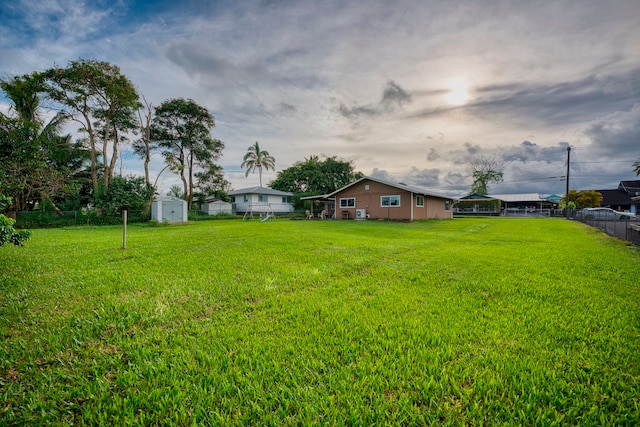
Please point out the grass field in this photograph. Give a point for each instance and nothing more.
(477, 321)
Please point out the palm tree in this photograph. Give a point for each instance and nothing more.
(257, 159)
(636, 167)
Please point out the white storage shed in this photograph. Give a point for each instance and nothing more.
(169, 209)
(214, 206)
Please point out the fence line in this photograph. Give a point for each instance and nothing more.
(49, 219)
(624, 229)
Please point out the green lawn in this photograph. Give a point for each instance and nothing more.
(477, 321)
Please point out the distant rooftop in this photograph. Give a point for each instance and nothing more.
(259, 190)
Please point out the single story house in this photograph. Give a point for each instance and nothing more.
(375, 198)
(215, 206)
(261, 200)
(169, 209)
(623, 198)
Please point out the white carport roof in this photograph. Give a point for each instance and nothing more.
(526, 197)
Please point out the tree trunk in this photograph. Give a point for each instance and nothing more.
(184, 179)
(92, 150)
(114, 156)
(190, 194)
(105, 157)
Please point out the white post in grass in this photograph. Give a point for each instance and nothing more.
(124, 229)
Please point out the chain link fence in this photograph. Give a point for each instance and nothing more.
(611, 222)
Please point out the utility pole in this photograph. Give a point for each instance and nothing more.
(566, 196)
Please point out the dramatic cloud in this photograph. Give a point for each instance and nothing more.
(393, 98)
(373, 82)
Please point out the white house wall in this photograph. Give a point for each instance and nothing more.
(217, 208)
(273, 203)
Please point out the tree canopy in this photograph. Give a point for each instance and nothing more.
(37, 162)
(484, 170)
(181, 129)
(103, 101)
(314, 176)
(584, 198)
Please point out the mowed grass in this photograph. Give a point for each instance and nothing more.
(478, 321)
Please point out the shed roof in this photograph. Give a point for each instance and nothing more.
(169, 198)
(212, 199)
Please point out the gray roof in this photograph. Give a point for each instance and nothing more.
(401, 186)
(212, 199)
(526, 197)
(259, 190)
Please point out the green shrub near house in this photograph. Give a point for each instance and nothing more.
(470, 321)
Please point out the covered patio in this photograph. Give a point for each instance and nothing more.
(320, 207)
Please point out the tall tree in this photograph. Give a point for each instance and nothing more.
(636, 167)
(182, 131)
(36, 160)
(143, 145)
(484, 170)
(255, 158)
(96, 91)
(314, 176)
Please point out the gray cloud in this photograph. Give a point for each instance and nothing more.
(562, 103)
(529, 151)
(424, 178)
(393, 99)
(615, 134)
(381, 174)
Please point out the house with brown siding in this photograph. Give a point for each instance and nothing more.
(378, 199)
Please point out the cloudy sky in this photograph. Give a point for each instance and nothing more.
(410, 91)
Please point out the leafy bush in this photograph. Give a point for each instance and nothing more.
(131, 193)
(8, 234)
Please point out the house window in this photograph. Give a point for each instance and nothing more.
(387, 201)
(447, 205)
(233, 199)
(420, 201)
(263, 198)
(349, 202)
(286, 199)
(246, 198)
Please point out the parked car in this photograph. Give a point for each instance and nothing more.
(607, 214)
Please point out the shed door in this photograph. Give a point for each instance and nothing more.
(172, 211)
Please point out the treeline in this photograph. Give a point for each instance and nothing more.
(42, 168)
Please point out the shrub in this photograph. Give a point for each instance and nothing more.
(8, 234)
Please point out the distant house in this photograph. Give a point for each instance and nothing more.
(622, 198)
(478, 204)
(261, 200)
(169, 209)
(531, 201)
(508, 204)
(215, 206)
(374, 198)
